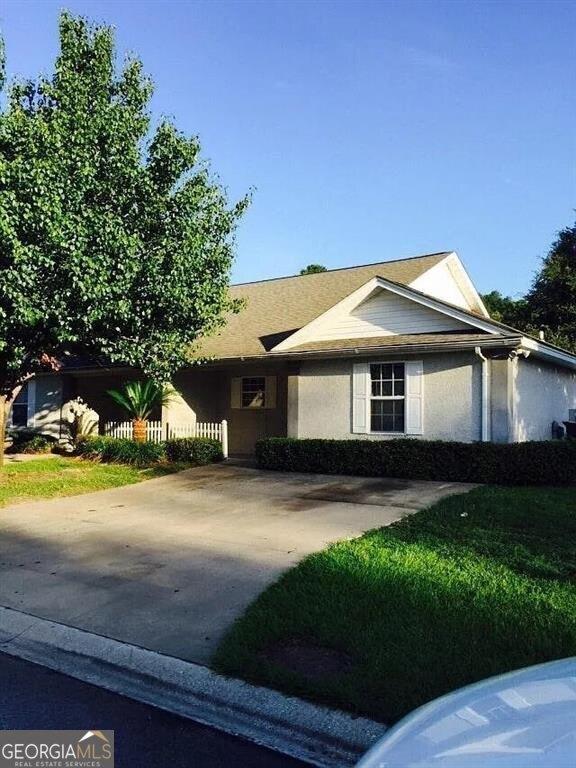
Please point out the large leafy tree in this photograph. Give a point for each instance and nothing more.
(115, 241)
(551, 300)
(550, 304)
(504, 308)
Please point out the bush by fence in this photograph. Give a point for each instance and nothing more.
(26, 441)
(531, 463)
(121, 450)
(194, 450)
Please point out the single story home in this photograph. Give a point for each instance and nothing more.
(397, 348)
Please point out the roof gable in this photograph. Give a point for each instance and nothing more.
(275, 309)
(449, 281)
(342, 319)
(384, 313)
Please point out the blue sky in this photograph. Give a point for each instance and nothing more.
(369, 130)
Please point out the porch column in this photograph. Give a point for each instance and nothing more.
(292, 404)
(177, 412)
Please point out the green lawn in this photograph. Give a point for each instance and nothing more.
(477, 585)
(64, 476)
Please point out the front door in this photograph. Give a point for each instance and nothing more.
(257, 410)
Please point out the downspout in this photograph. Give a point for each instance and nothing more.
(485, 396)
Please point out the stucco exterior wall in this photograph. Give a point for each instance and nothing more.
(207, 393)
(501, 400)
(451, 398)
(92, 388)
(543, 393)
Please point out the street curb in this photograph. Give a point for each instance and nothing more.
(321, 736)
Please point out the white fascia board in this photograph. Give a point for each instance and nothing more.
(467, 283)
(461, 278)
(307, 333)
(559, 356)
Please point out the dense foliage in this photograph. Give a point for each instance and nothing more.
(531, 463)
(552, 298)
(121, 450)
(140, 398)
(115, 243)
(194, 450)
(313, 269)
(26, 441)
(505, 309)
(550, 304)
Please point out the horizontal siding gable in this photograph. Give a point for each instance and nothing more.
(388, 314)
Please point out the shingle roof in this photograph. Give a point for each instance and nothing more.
(394, 340)
(278, 307)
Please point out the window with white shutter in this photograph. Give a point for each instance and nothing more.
(387, 398)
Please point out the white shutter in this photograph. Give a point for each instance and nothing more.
(414, 397)
(360, 398)
(236, 393)
(270, 393)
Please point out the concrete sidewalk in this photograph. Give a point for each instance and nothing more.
(170, 563)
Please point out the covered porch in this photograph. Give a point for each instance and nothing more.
(252, 399)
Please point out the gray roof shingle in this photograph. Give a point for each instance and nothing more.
(276, 308)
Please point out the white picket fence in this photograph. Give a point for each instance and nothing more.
(156, 431)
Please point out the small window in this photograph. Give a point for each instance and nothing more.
(254, 392)
(20, 408)
(387, 381)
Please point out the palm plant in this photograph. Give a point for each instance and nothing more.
(138, 399)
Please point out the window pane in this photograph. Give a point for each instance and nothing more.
(398, 416)
(399, 386)
(22, 396)
(376, 388)
(387, 416)
(399, 371)
(19, 414)
(387, 388)
(20, 408)
(253, 392)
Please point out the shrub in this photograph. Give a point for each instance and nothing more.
(121, 450)
(194, 450)
(26, 441)
(531, 463)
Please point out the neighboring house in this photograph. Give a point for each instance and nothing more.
(399, 348)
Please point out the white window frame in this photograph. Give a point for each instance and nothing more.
(372, 397)
(30, 406)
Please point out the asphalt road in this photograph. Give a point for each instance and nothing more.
(33, 697)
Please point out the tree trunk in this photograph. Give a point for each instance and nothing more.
(2, 427)
(139, 430)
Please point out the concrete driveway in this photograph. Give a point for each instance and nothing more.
(168, 564)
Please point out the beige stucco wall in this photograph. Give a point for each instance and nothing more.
(92, 388)
(543, 393)
(451, 398)
(206, 394)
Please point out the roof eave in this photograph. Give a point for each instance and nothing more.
(549, 352)
(491, 342)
